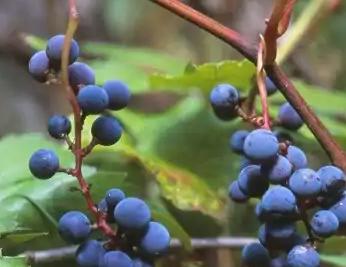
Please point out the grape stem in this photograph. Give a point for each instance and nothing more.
(280, 79)
(76, 146)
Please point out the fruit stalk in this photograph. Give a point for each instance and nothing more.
(76, 147)
(233, 38)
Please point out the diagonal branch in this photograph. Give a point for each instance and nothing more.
(234, 39)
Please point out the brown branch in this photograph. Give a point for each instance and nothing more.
(333, 149)
(78, 123)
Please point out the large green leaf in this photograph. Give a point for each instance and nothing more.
(336, 260)
(206, 76)
(13, 262)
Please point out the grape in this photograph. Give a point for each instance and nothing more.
(237, 139)
(278, 201)
(270, 86)
(89, 253)
(103, 206)
(118, 93)
(324, 223)
(55, 47)
(114, 196)
(140, 263)
(251, 182)
(279, 171)
(305, 183)
(277, 235)
(297, 157)
(255, 255)
(44, 163)
(236, 194)
(74, 227)
(39, 66)
(261, 146)
(132, 213)
(339, 210)
(59, 126)
(115, 258)
(224, 98)
(92, 99)
(106, 130)
(106, 209)
(303, 256)
(259, 211)
(80, 74)
(289, 118)
(333, 180)
(156, 239)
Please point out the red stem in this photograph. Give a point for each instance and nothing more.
(78, 124)
(333, 149)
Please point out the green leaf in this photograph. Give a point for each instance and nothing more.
(125, 63)
(13, 261)
(31, 206)
(206, 76)
(334, 259)
(160, 213)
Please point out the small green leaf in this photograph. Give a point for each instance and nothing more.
(206, 76)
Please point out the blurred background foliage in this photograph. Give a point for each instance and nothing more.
(174, 152)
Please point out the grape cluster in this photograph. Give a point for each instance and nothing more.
(289, 192)
(137, 240)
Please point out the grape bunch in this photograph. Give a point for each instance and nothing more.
(289, 193)
(133, 239)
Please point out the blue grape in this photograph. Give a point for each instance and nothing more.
(103, 206)
(303, 256)
(115, 258)
(259, 211)
(270, 86)
(289, 118)
(39, 66)
(237, 139)
(324, 223)
(140, 263)
(236, 194)
(114, 196)
(255, 255)
(89, 253)
(261, 146)
(44, 163)
(107, 130)
(132, 213)
(339, 210)
(118, 93)
(297, 157)
(278, 201)
(279, 171)
(59, 126)
(80, 74)
(333, 180)
(305, 183)
(92, 99)
(156, 239)
(55, 47)
(224, 98)
(277, 235)
(74, 227)
(106, 209)
(251, 181)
